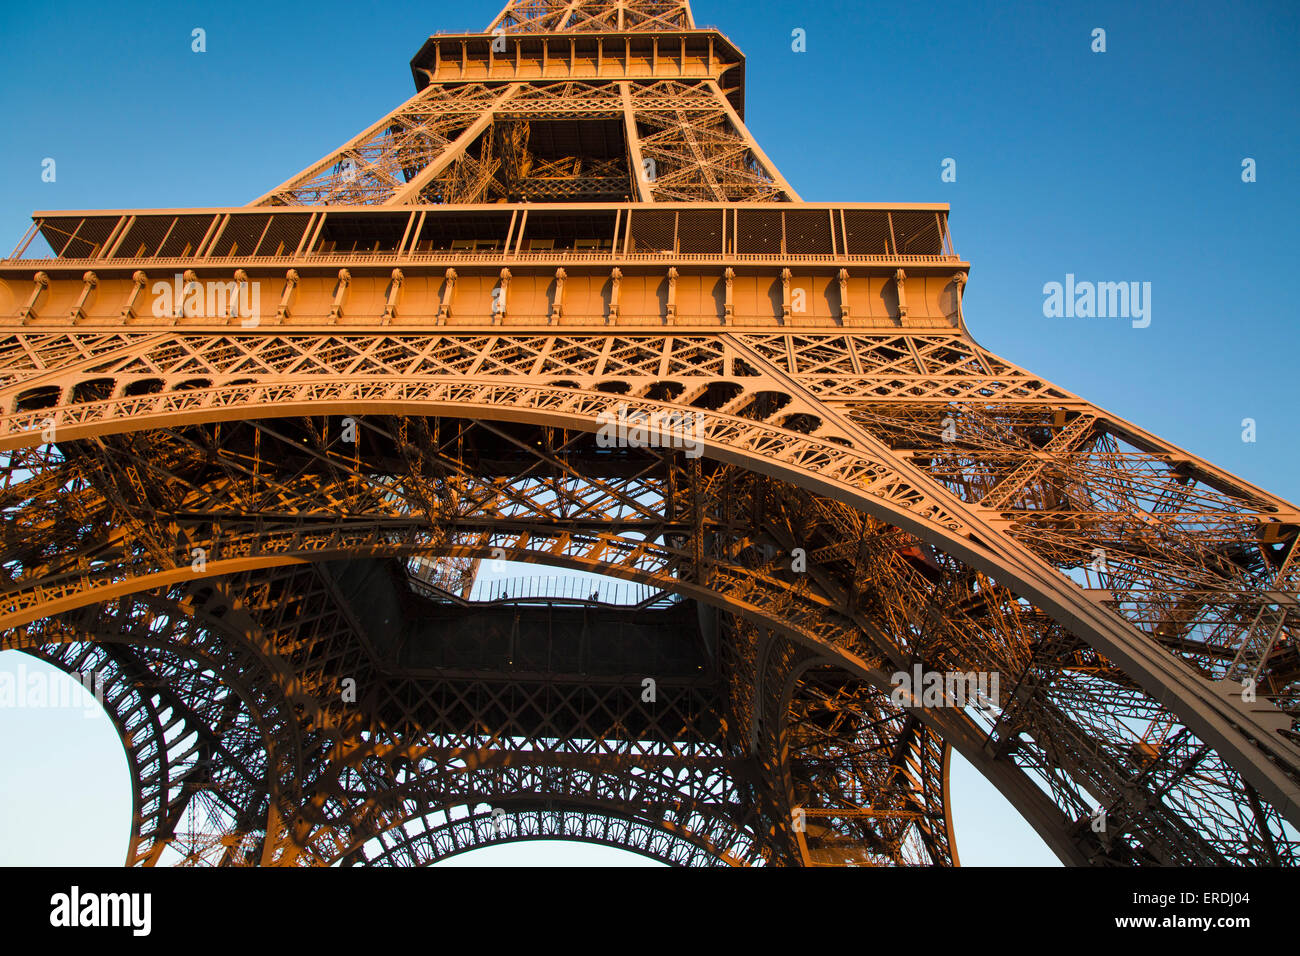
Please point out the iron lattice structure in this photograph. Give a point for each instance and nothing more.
(255, 458)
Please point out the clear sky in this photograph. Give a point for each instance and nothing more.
(1117, 166)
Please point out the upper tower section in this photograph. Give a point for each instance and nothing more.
(583, 101)
(593, 16)
(585, 162)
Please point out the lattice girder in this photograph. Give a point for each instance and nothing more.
(876, 494)
(636, 555)
(556, 16)
(463, 138)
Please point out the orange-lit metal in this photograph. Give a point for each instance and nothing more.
(255, 459)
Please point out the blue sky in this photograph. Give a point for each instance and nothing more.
(1115, 166)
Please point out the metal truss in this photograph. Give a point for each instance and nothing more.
(409, 488)
(469, 143)
(555, 16)
(426, 840)
(267, 538)
(206, 733)
(372, 166)
(475, 134)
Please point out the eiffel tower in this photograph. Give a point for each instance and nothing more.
(559, 309)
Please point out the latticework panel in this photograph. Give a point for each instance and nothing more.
(592, 16)
(694, 148)
(380, 161)
(477, 143)
(1079, 733)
